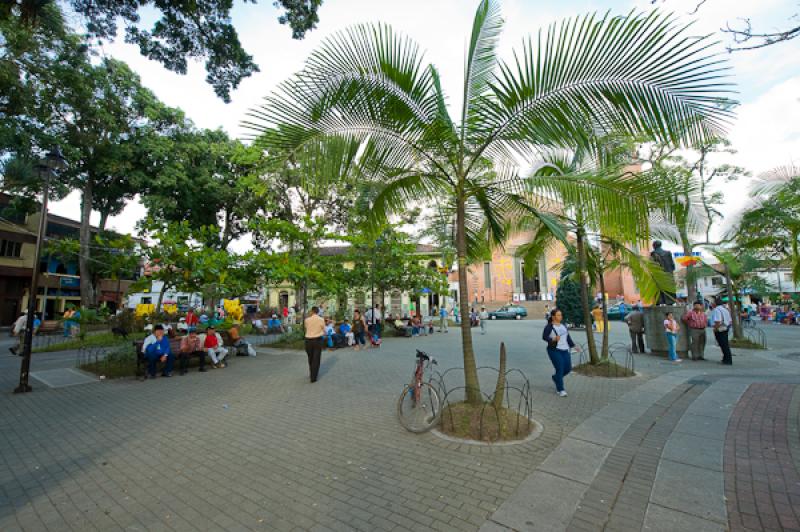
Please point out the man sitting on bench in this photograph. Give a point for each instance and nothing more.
(155, 348)
(191, 346)
(212, 343)
(274, 325)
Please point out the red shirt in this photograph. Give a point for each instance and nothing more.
(191, 318)
(695, 320)
(211, 341)
(285, 312)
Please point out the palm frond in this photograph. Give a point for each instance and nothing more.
(481, 57)
(640, 74)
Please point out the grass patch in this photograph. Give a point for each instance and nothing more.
(103, 339)
(606, 368)
(745, 343)
(114, 365)
(294, 340)
(463, 420)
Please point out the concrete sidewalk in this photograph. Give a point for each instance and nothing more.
(674, 455)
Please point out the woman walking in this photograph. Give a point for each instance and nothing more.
(559, 343)
(671, 329)
(359, 328)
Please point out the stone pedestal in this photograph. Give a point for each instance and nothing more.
(654, 329)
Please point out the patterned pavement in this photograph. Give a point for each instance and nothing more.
(256, 447)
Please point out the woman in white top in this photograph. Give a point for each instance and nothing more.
(671, 329)
(559, 343)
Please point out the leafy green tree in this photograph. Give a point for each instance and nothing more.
(569, 301)
(771, 228)
(185, 31)
(206, 179)
(692, 210)
(370, 84)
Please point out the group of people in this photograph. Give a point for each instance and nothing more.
(696, 322)
(559, 342)
(156, 347)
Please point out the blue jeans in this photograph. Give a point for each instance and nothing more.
(562, 363)
(359, 337)
(672, 341)
(152, 363)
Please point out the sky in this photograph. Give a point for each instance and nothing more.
(765, 133)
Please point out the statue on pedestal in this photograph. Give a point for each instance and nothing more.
(664, 259)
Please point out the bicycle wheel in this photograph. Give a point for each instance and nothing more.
(422, 415)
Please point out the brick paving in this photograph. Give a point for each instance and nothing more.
(618, 497)
(762, 480)
(256, 447)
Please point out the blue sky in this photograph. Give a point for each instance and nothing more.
(766, 132)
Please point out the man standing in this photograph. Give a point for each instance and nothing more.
(18, 330)
(721, 318)
(156, 348)
(315, 332)
(443, 319)
(483, 317)
(374, 318)
(635, 321)
(696, 322)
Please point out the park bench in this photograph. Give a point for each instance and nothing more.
(174, 345)
(48, 327)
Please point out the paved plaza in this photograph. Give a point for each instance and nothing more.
(695, 446)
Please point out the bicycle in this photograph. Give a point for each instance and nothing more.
(419, 406)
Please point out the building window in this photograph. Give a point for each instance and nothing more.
(147, 301)
(787, 276)
(716, 281)
(487, 274)
(10, 249)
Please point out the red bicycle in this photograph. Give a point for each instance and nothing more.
(419, 406)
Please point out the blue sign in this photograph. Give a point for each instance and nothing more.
(682, 254)
(70, 282)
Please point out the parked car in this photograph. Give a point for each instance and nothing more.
(617, 313)
(509, 312)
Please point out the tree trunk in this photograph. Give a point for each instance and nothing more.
(161, 297)
(587, 315)
(473, 390)
(604, 306)
(103, 221)
(737, 325)
(87, 290)
(500, 387)
(691, 286)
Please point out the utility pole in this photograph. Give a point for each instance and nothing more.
(53, 161)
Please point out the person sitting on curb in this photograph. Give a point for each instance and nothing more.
(242, 348)
(156, 348)
(212, 343)
(191, 346)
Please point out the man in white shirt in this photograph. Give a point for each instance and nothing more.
(374, 317)
(721, 318)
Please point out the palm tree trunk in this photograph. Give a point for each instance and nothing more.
(737, 326)
(473, 390)
(587, 316)
(604, 306)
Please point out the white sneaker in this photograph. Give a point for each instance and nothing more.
(562, 393)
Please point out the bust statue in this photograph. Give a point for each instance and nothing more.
(664, 259)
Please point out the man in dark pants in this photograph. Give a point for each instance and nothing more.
(315, 333)
(635, 321)
(721, 318)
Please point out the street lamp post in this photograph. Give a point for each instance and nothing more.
(53, 161)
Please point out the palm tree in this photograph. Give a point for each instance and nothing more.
(599, 210)
(640, 73)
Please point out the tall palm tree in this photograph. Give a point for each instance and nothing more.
(600, 212)
(640, 73)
